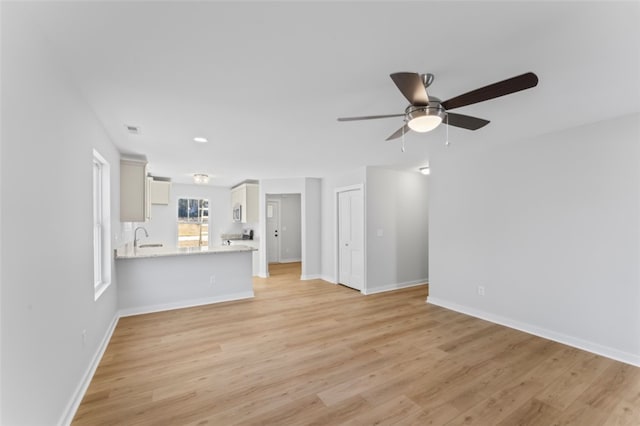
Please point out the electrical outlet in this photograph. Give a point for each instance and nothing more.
(480, 290)
(212, 280)
(84, 337)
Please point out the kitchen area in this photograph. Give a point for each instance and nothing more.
(186, 244)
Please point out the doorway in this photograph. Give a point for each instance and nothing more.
(283, 228)
(273, 228)
(350, 217)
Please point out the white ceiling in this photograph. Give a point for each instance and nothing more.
(264, 82)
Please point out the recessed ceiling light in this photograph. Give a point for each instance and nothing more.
(200, 139)
(425, 170)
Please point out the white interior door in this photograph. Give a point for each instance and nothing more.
(273, 231)
(351, 239)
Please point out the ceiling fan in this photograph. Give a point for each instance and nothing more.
(426, 112)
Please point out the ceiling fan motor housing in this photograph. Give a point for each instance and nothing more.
(425, 118)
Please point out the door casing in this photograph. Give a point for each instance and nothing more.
(358, 187)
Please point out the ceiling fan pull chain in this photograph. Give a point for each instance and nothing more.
(402, 139)
(446, 142)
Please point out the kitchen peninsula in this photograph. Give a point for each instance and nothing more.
(161, 278)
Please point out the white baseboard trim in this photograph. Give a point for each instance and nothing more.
(292, 260)
(397, 286)
(185, 304)
(329, 279)
(310, 277)
(263, 275)
(81, 389)
(627, 358)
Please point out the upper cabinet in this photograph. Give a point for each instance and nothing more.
(159, 191)
(244, 203)
(134, 190)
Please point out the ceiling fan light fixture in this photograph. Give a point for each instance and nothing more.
(200, 178)
(425, 119)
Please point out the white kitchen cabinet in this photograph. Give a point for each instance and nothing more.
(134, 189)
(246, 196)
(159, 192)
(238, 195)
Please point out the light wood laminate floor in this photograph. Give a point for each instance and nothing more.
(310, 352)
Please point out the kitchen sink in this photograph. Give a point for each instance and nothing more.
(150, 245)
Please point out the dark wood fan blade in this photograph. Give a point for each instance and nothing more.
(465, 121)
(495, 90)
(369, 117)
(402, 130)
(412, 87)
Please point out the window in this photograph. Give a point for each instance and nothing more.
(193, 222)
(101, 225)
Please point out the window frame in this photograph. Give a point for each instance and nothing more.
(101, 178)
(201, 219)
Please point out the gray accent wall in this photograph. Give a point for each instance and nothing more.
(396, 226)
(397, 229)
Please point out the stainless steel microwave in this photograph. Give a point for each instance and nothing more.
(237, 213)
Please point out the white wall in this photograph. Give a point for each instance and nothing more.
(163, 225)
(311, 228)
(396, 206)
(551, 228)
(48, 134)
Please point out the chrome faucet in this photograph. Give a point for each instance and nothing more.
(135, 236)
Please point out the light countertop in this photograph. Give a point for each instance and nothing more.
(128, 251)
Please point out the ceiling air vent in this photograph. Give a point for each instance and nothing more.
(134, 130)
